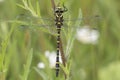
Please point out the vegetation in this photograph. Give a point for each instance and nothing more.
(28, 40)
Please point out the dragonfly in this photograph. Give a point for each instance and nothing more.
(59, 21)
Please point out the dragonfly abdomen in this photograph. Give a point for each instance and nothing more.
(58, 23)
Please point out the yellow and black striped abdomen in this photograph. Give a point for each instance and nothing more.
(58, 23)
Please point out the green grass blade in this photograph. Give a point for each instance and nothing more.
(27, 66)
(4, 44)
(38, 8)
(21, 6)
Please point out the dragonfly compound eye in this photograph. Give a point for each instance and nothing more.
(58, 10)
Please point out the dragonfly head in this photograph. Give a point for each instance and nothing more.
(59, 11)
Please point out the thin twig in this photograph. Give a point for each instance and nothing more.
(53, 4)
(63, 57)
(62, 53)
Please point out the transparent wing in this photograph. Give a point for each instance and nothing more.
(31, 23)
(23, 17)
(48, 24)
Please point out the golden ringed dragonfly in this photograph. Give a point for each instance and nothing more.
(46, 25)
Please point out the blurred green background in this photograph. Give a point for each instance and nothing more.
(22, 49)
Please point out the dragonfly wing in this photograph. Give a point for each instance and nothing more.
(38, 27)
(48, 24)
